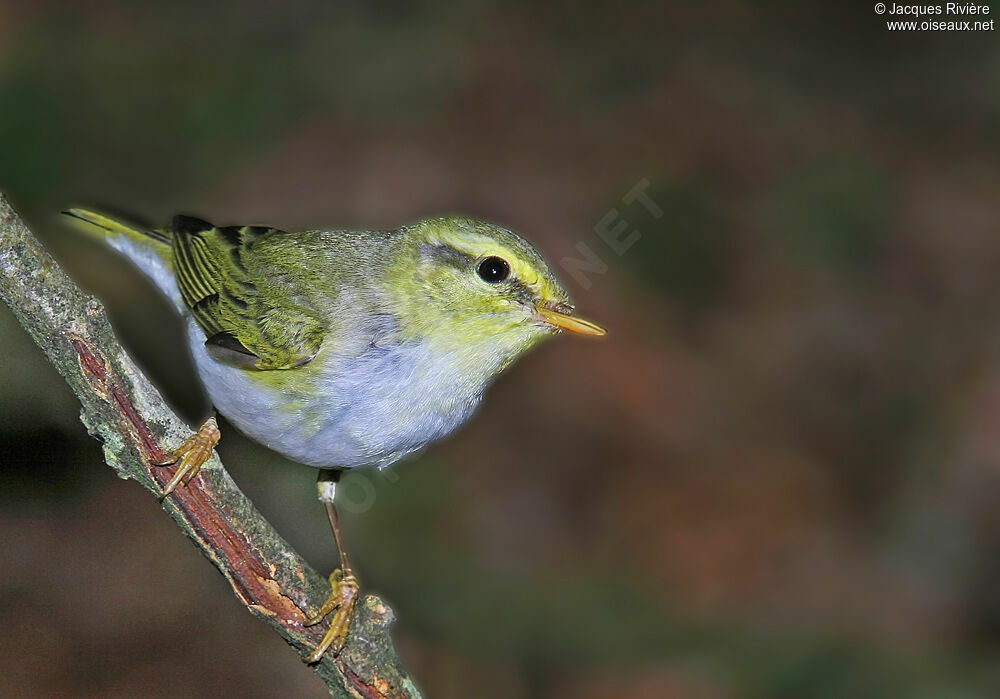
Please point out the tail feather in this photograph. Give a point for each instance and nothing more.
(115, 227)
(149, 250)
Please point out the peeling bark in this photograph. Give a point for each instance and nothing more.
(123, 410)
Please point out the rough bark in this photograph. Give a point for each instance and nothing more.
(123, 410)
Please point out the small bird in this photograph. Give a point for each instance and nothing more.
(341, 349)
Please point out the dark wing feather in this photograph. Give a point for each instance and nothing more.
(248, 322)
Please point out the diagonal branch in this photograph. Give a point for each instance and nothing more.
(124, 411)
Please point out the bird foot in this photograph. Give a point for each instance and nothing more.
(343, 597)
(189, 456)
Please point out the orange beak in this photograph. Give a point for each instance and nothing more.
(565, 321)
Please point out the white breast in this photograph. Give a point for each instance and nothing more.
(370, 410)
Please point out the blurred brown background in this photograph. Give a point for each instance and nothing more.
(778, 476)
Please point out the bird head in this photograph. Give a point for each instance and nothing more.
(478, 288)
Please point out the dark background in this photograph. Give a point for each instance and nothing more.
(779, 474)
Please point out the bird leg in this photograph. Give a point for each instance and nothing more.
(190, 455)
(344, 586)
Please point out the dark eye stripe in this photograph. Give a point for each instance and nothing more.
(448, 254)
(521, 292)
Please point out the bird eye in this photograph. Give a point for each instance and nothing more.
(493, 270)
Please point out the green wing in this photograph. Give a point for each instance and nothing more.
(250, 322)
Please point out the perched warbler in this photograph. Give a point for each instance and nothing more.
(340, 349)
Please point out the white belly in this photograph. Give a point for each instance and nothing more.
(366, 411)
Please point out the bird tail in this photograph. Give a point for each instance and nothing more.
(108, 227)
(149, 250)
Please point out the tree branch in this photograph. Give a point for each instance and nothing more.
(124, 411)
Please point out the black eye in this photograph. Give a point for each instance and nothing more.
(493, 270)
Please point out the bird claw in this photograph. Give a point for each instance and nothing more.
(343, 597)
(189, 456)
